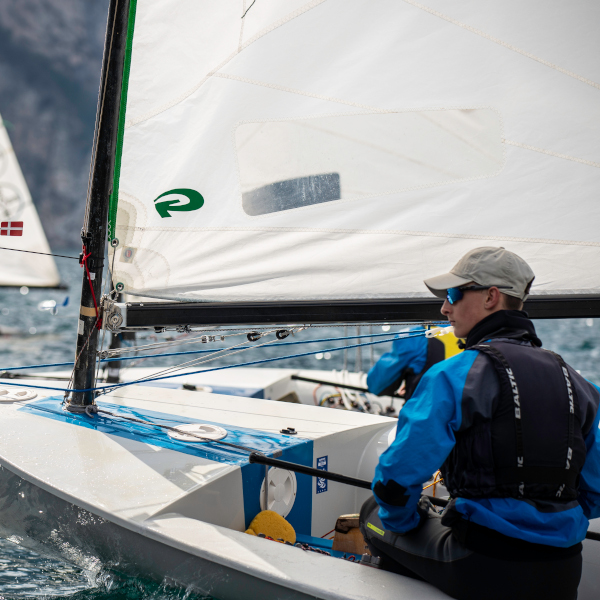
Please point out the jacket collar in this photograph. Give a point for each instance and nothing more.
(514, 324)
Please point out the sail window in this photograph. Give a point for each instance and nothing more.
(292, 193)
(291, 164)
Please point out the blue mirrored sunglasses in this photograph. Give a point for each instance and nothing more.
(453, 295)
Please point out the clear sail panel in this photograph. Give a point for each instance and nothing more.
(290, 164)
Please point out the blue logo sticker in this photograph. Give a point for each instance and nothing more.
(322, 466)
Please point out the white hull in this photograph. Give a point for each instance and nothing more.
(142, 508)
(166, 514)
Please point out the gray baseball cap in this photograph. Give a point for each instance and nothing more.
(487, 266)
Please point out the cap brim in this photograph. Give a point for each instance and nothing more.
(438, 285)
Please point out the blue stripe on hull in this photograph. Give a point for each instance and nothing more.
(292, 448)
(264, 442)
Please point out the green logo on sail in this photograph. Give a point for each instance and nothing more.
(167, 206)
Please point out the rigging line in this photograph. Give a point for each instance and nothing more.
(125, 358)
(253, 362)
(198, 361)
(63, 364)
(92, 329)
(165, 354)
(334, 325)
(109, 277)
(107, 388)
(176, 368)
(42, 253)
(115, 351)
(87, 341)
(176, 342)
(84, 264)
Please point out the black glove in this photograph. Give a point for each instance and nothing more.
(424, 512)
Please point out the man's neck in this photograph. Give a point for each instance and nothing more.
(503, 323)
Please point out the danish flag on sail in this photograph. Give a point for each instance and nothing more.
(11, 228)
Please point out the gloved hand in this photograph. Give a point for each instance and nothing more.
(425, 511)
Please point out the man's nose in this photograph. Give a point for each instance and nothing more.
(445, 310)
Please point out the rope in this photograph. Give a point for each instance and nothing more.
(199, 361)
(334, 339)
(109, 277)
(176, 342)
(84, 260)
(126, 358)
(107, 388)
(42, 253)
(64, 364)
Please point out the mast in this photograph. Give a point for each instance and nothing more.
(93, 234)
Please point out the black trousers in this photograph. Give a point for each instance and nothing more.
(473, 562)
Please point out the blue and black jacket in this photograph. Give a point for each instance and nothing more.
(535, 477)
(409, 359)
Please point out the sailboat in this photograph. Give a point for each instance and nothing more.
(20, 228)
(270, 164)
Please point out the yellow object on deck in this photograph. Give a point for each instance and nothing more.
(273, 525)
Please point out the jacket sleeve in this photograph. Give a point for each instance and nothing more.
(589, 484)
(424, 439)
(405, 353)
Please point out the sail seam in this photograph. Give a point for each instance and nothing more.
(244, 11)
(303, 93)
(583, 161)
(368, 232)
(253, 39)
(500, 42)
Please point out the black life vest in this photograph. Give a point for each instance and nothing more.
(531, 445)
(436, 352)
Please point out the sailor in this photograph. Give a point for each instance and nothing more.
(409, 359)
(515, 432)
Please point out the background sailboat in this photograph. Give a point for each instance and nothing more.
(16, 207)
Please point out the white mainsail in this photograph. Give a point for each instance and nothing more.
(16, 206)
(329, 149)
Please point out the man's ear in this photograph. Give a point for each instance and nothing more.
(493, 298)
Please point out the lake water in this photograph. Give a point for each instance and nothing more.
(40, 337)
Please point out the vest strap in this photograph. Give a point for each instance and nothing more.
(510, 385)
(573, 404)
(542, 475)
